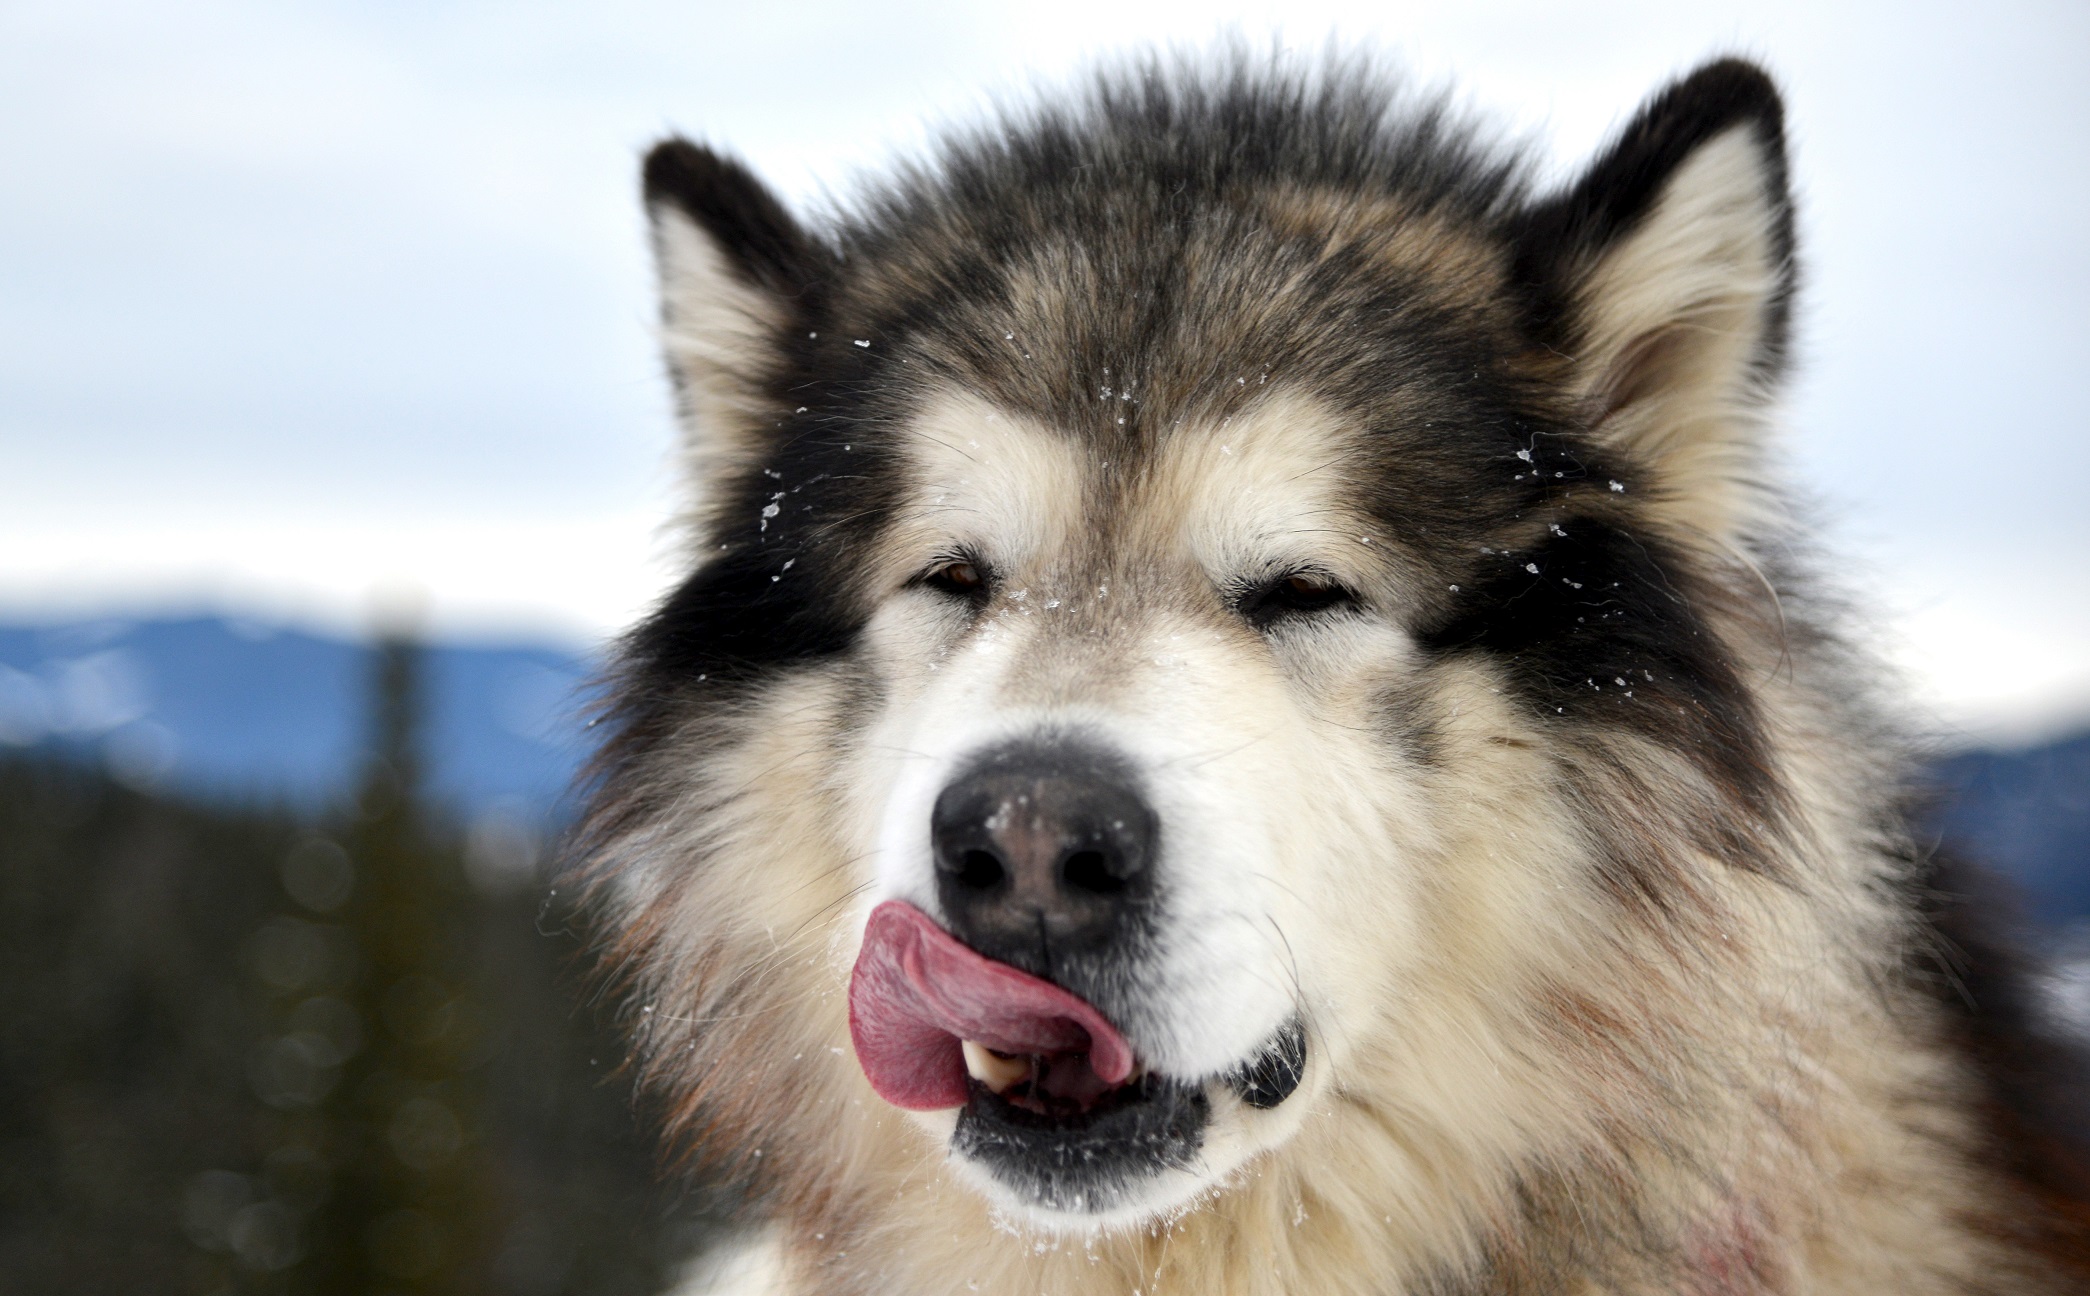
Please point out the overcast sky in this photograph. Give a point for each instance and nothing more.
(299, 301)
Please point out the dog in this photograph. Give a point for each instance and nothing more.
(1246, 714)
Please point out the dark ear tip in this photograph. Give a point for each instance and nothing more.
(750, 226)
(1625, 180)
(1719, 94)
(1558, 234)
(1736, 76)
(680, 172)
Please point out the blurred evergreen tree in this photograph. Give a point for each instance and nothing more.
(247, 1054)
(130, 1140)
(412, 1206)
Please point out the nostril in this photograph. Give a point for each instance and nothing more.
(979, 870)
(1089, 871)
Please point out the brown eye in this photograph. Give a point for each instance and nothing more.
(1294, 594)
(960, 577)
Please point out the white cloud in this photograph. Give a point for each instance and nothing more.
(304, 298)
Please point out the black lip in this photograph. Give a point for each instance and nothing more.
(1275, 1073)
(1085, 1162)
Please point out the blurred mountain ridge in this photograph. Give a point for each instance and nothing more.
(224, 709)
(2026, 812)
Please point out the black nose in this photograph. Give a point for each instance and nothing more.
(1044, 850)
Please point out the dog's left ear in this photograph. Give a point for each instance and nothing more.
(735, 274)
(1665, 275)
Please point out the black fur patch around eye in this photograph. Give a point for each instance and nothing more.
(731, 617)
(782, 585)
(1599, 625)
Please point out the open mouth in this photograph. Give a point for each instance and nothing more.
(1061, 1085)
(1053, 1102)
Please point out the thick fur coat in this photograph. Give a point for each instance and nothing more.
(1411, 539)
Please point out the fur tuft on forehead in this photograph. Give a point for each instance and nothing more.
(1182, 236)
(1169, 244)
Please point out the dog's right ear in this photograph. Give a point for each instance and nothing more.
(735, 269)
(1666, 274)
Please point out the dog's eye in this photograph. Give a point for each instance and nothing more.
(962, 578)
(1298, 593)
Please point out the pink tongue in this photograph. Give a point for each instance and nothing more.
(916, 992)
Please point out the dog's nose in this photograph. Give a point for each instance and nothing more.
(1044, 848)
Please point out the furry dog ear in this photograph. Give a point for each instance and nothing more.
(734, 270)
(1666, 274)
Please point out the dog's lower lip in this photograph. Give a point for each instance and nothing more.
(1083, 1159)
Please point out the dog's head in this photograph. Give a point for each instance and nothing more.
(1202, 610)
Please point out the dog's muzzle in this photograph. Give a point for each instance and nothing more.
(1046, 856)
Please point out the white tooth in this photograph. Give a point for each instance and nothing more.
(991, 1068)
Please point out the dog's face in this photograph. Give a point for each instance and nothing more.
(1159, 639)
(1131, 734)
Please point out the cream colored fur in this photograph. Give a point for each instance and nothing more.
(718, 332)
(1674, 315)
(1442, 920)
(1736, 1086)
